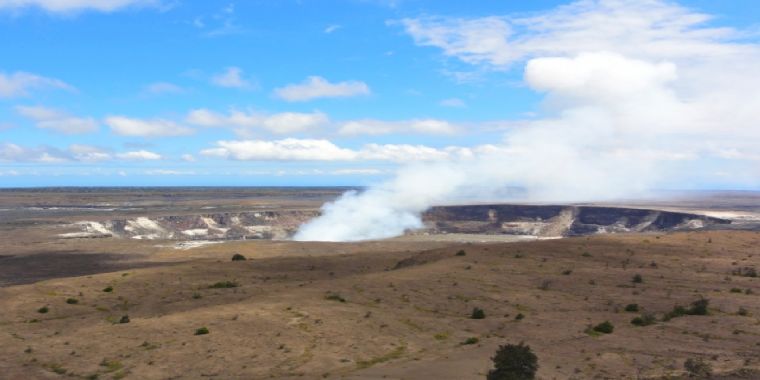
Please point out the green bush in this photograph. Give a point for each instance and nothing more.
(461, 252)
(124, 319)
(643, 320)
(201, 331)
(224, 285)
(332, 296)
(108, 289)
(605, 327)
(698, 368)
(514, 362)
(43, 310)
(698, 307)
(632, 307)
(478, 313)
(72, 301)
(238, 257)
(472, 340)
(736, 290)
(519, 316)
(637, 279)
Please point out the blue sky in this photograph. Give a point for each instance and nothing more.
(132, 92)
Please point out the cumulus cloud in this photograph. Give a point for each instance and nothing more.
(248, 122)
(21, 84)
(232, 77)
(281, 150)
(76, 5)
(292, 149)
(637, 93)
(125, 126)
(315, 87)
(77, 152)
(139, 155)
(56, 120)
(380, 127)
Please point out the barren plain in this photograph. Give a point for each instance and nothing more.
(110, 306)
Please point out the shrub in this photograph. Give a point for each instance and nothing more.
(743, 312)
(108, 289)
(698, 307)
(224, 285)
(514, 362)
(745, 272)
(472, 340)
(698, 368)
(519, 317)
(201, 331)
(632, 307)
(72, 301)
(643, 320)
(478, 313)
(605, 327)
(43, 310)
(124, 319)
(238, 257)
(637, 279)
(197, 296)
(567, 272)
(736, 290)
(334, 297)
(461, 252)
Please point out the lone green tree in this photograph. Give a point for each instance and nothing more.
(514, 362)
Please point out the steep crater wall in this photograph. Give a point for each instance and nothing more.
(554, 221)
(497, 219)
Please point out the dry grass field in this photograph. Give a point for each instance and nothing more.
(393, 309)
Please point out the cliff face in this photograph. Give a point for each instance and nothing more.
(552, 221)
(542, 221)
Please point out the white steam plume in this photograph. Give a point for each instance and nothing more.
(637, 93)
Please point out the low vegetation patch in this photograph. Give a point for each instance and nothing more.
(124, 319)
(477, 313)
(72, 301)
(745, 272)
(644, 320)
(332, 296)
(238, 257)
(603, 328)
(471, 340)
(201, 331)
(108, 289)
(514, 362)
(224, 285)
(637, 279)
(395, 354)
(698, 307)
(632, 307)
(43, 310)
(698, 368)
(461, 252)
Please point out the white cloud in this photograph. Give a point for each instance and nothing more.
(161, 88)
(188, 158)
(281, 150)
(453, 102)
(331, 28)
(324, 150)
(317, 87)
(21, 83)
(232, 77)
(139, 155)
(56, 120)
(249, 122)
(380, 127)
(125, 126)
(88, 153)
(65, 6)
